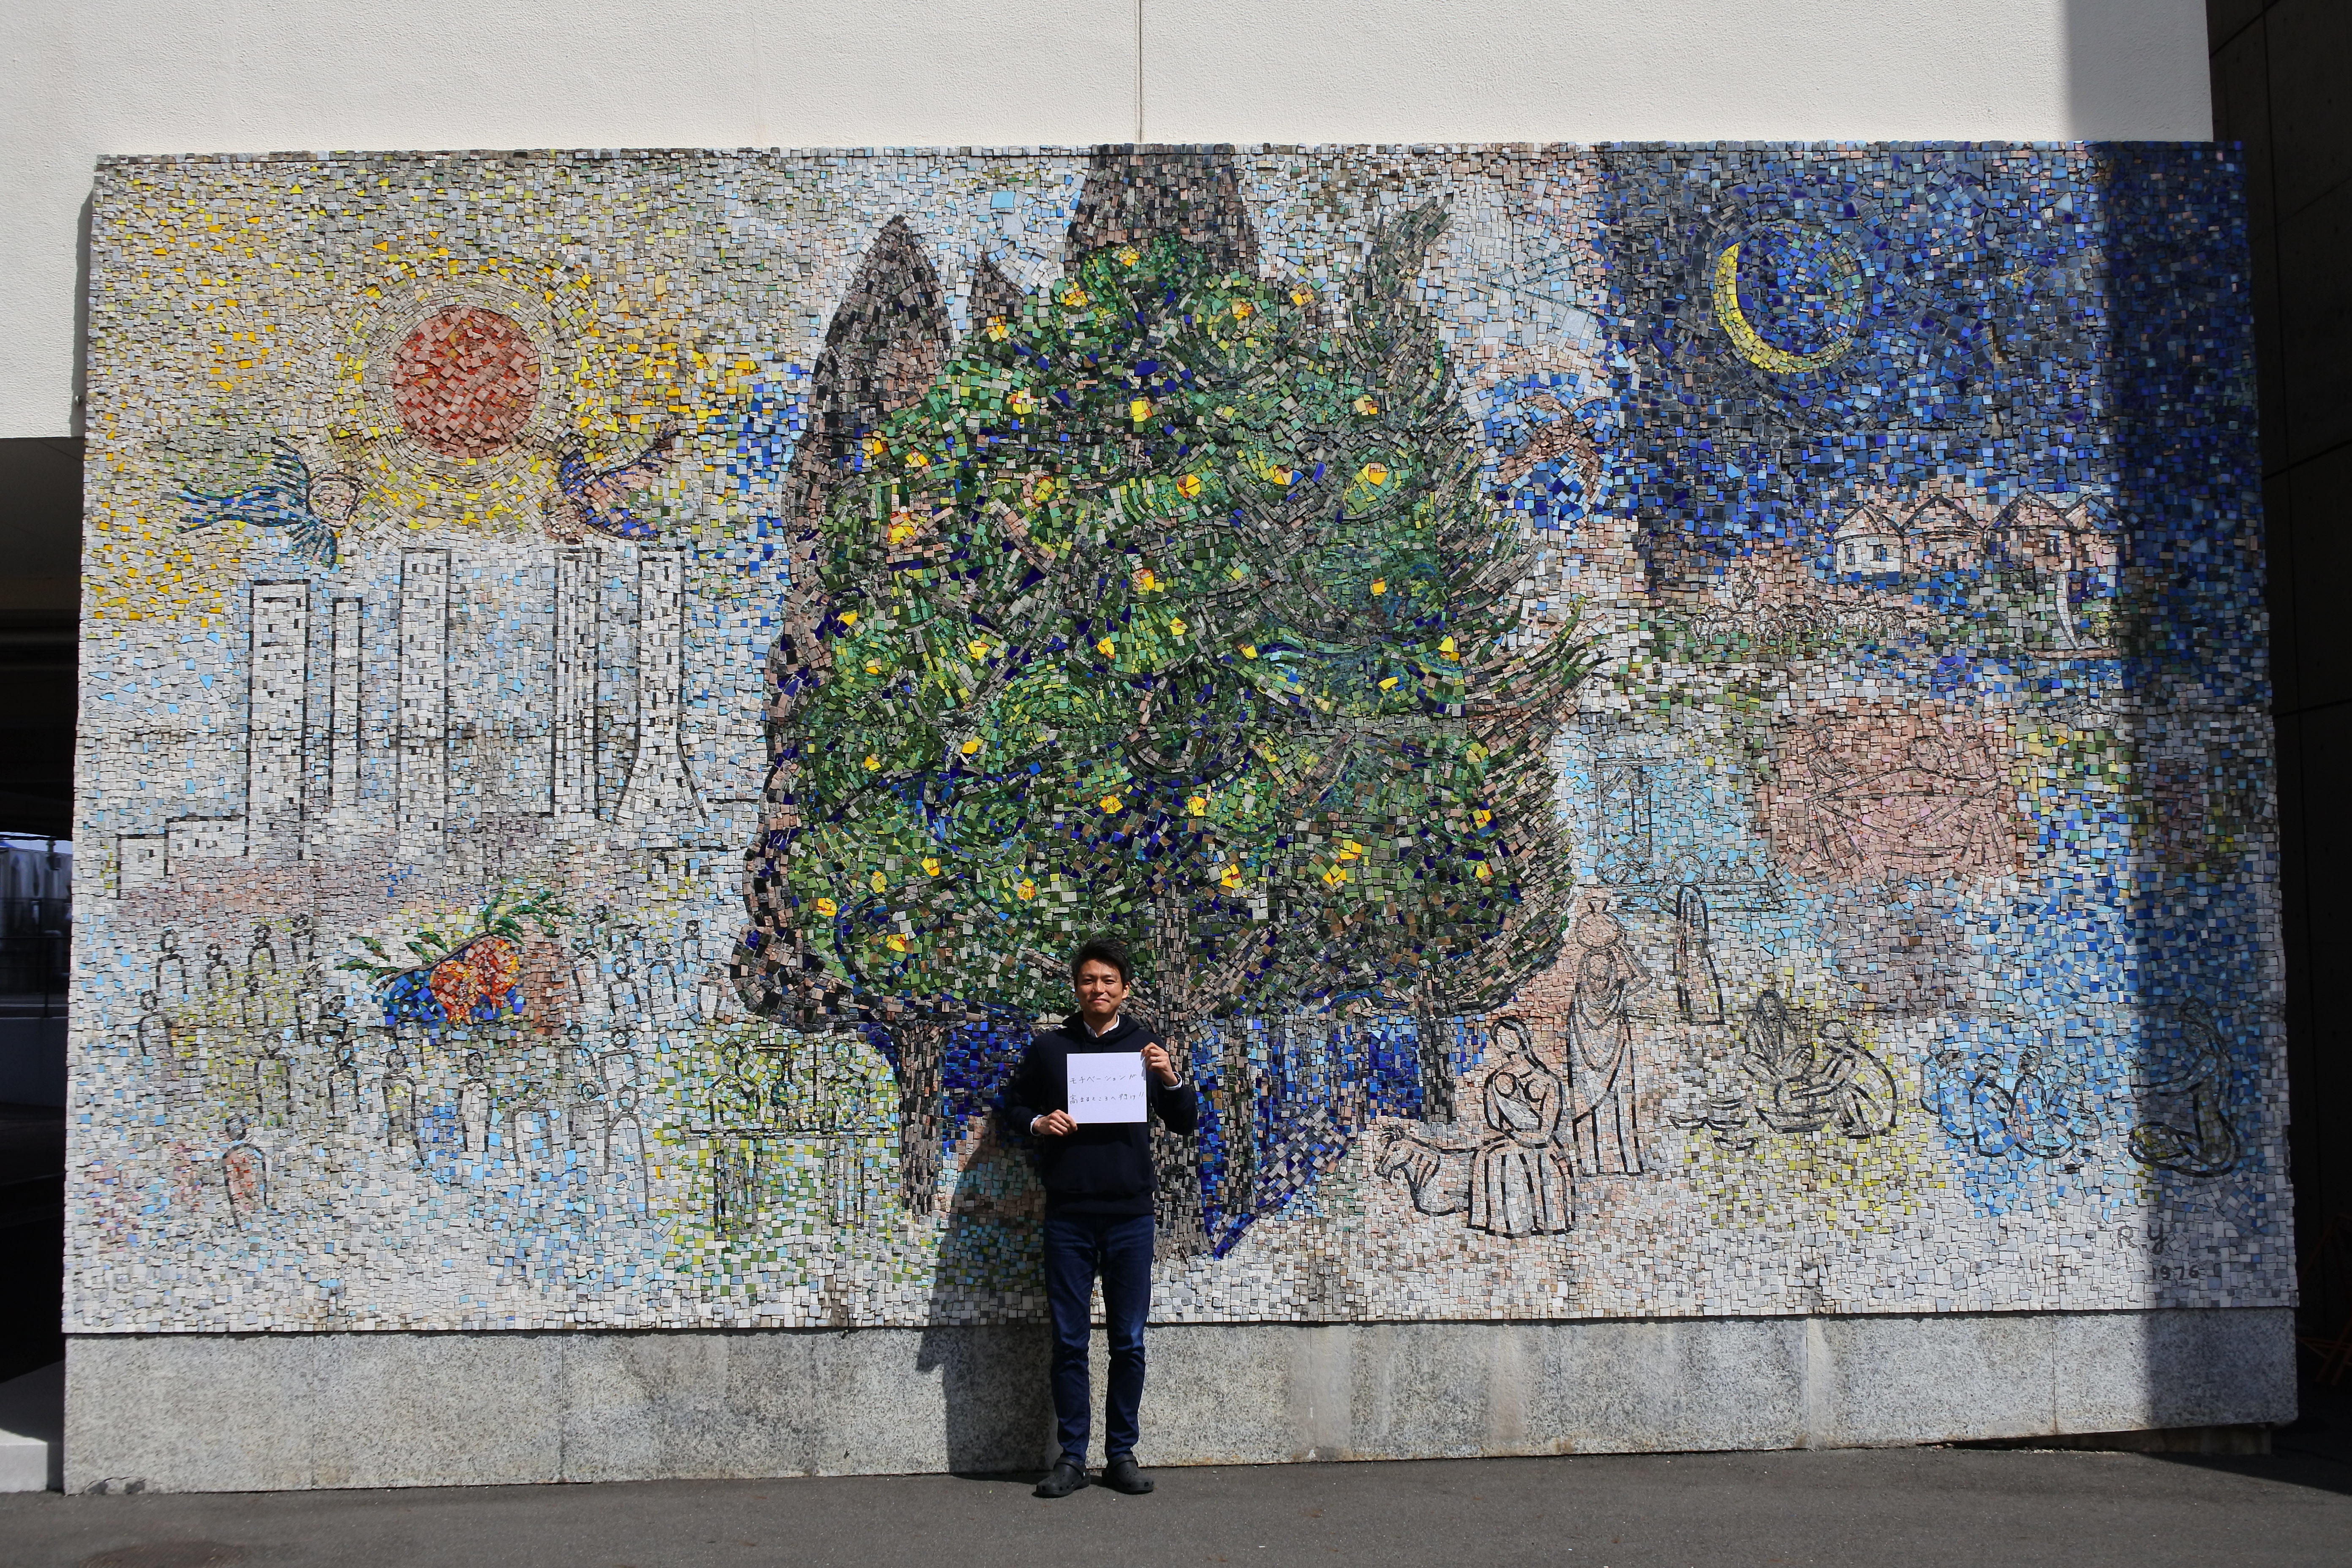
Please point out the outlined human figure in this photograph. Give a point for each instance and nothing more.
(219, 979)
(624, 997)
(661, 979)
(153, 1035)
(301, 941)
(1520, 1184)
(533, 1135)
(2195, 1136)
(1599, 1046)
(738, 1121)
(245, 1175)
(273, 1079)
(474, 1106)
(583, 1108)
(261, 958)
(1698, 990)
(343, 1061)
(622, 1072)
(171, 970)
(399, 1092)
(1997, 1112)
(1801, 1079)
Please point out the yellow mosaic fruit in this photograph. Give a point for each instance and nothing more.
(895, 943)
(917, 460)
(971, 746)
(1044, 488)
(1129, 255)
(877, 881)
(1333, 876)
(1349, 849)
(827, 907)
(1231, 877)
(1074, 298)
(1106, 647)
(1300, 296)
(1244, 310)
(872, 762)
(902, 527)
(997, 329)
(1147, 581)
(1110, 803)
(1445, 647)
(1482, 872)
(977, 649)
(930, 866)
(1482, 816)
(1139, 410)
(1025, 887)
(1022, 402)
(875, 446)
(1279, 474)
(1189, 486)
(1374, 473)
(872, 667)
(1197, 805)
(849, 617)
(1248, 651)
(1368, 404)
(1176, 626)
(1379, 584)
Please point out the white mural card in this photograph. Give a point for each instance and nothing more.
(1106, 1085)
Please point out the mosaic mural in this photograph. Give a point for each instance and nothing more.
(1678, 730)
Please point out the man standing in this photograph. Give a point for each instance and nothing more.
(1098, 1179)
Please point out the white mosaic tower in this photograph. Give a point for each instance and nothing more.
(660, 803)
(423, 797)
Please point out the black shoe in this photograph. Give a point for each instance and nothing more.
(1122, 1476)
(1065, 1478)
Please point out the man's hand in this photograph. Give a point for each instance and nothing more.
(1156, 1063)
(1053, 1124)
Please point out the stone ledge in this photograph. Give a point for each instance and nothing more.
(270, 1412)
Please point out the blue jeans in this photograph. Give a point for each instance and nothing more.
(1118, 1248)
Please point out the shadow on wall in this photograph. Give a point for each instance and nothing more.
(994, 1378)
(2198, 894)
(2136, 64)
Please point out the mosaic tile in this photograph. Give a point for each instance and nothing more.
(1679, 730)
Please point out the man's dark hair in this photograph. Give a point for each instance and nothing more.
(1106, 950)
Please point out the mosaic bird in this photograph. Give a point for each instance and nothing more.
(598, 497)
(288, 498)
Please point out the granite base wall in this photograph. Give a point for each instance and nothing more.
(268, 1412)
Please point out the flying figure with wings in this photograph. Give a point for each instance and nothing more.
(598, 497)
(287, 497)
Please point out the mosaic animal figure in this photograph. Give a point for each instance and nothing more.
(310, 508)
(591, 500)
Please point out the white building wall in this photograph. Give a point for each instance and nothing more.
(91, 77)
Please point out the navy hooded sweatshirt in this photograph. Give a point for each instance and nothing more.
(1102, 1168)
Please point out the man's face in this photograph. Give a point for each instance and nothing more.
(1101, 992)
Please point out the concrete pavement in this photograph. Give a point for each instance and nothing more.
(1913, 1507)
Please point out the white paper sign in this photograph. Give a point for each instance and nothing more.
(1106, 1085)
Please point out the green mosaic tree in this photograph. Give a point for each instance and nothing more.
(1172, 610)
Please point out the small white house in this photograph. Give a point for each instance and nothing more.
(1867, 544)
(1944, 537)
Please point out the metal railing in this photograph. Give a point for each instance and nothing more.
(36, 945)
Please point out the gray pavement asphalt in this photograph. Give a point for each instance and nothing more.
(2014, 1508)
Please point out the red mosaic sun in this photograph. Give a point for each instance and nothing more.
(464, 382)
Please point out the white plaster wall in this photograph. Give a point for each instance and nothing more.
(88, 77)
